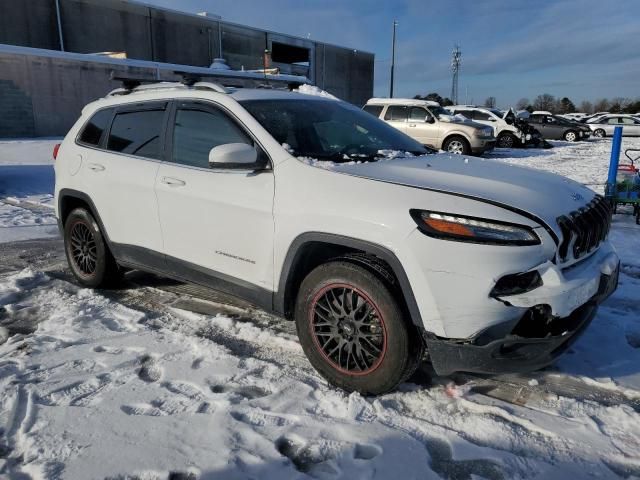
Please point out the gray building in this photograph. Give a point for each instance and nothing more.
(44, 86)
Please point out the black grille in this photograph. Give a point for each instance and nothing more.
(588, 226)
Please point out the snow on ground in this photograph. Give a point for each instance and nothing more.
(26, 184)
(129, 384)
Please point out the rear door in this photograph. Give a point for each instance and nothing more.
(215, 222)
(119, 174)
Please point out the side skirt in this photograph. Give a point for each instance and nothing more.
(140, 258)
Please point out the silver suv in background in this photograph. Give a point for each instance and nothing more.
(431, 125)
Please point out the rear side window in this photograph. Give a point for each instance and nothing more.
(196, 132)
(92, 131)
(374, 110)
(397, 113)
(137, 133)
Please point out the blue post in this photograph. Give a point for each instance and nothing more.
(613, 163)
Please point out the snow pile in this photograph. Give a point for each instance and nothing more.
(26, 189)
(314, 91)
(128, 384)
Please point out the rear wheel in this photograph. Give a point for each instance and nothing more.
(507, 140)
(352, 329)
(87, 253)
(457, 146)
(599, 133)
(571, 136)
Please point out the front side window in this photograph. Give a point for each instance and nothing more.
(329, 130)
(465, 113)
(137, 133)
(478, 115)
(396, 113)
(197, 131)
(417, 114)
(613, 121)
(92, 131)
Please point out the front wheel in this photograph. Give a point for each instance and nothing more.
(507, 140)
(599, 133)
(87, 253)
(571, 136)
(352, 329)
(457, 146)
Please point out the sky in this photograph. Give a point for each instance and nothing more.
(582, 49)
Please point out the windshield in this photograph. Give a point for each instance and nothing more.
(329, 130)
(498, 113)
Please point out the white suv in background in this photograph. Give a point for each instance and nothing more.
(431, 125)
(310, 208)
(506, 133)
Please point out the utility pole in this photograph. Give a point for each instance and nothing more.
(456, 60)
(393, 57)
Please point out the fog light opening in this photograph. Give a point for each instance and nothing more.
(517, 283)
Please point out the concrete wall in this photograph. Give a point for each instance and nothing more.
(43, 97)
(30, 23)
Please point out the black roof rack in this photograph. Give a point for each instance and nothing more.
(129, 83)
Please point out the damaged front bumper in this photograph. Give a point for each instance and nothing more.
(557, 313)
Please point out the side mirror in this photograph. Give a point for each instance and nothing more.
(430, 119)
(233, 155)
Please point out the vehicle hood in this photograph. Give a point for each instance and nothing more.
(538, 193)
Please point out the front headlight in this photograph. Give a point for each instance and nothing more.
(474, 230)
(483, 132)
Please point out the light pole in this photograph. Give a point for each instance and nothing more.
(393, 57)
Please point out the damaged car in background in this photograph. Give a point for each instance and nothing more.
(510, 128)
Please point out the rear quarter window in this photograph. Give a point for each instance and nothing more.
(95, 127)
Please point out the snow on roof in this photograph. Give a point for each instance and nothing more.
(402, 101)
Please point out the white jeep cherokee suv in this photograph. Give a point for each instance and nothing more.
(313, 209)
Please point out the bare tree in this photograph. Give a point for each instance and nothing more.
(522, 103)
(586, 106)
(601, 105)
(490, 102)
(619, 104)
(545, 102)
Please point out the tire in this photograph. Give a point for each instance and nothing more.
(507, 140)
(457, 145)
(599, 133)
(372, 356)
(571, 136)
(87, 253)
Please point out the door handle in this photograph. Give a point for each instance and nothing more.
(173, 182)
(96, 167)
(412, 125)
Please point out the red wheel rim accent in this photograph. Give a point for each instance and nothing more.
(352, 340)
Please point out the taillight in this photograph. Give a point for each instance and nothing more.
(55, 151)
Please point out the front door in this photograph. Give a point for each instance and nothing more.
(215, 223)
(421, 128)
